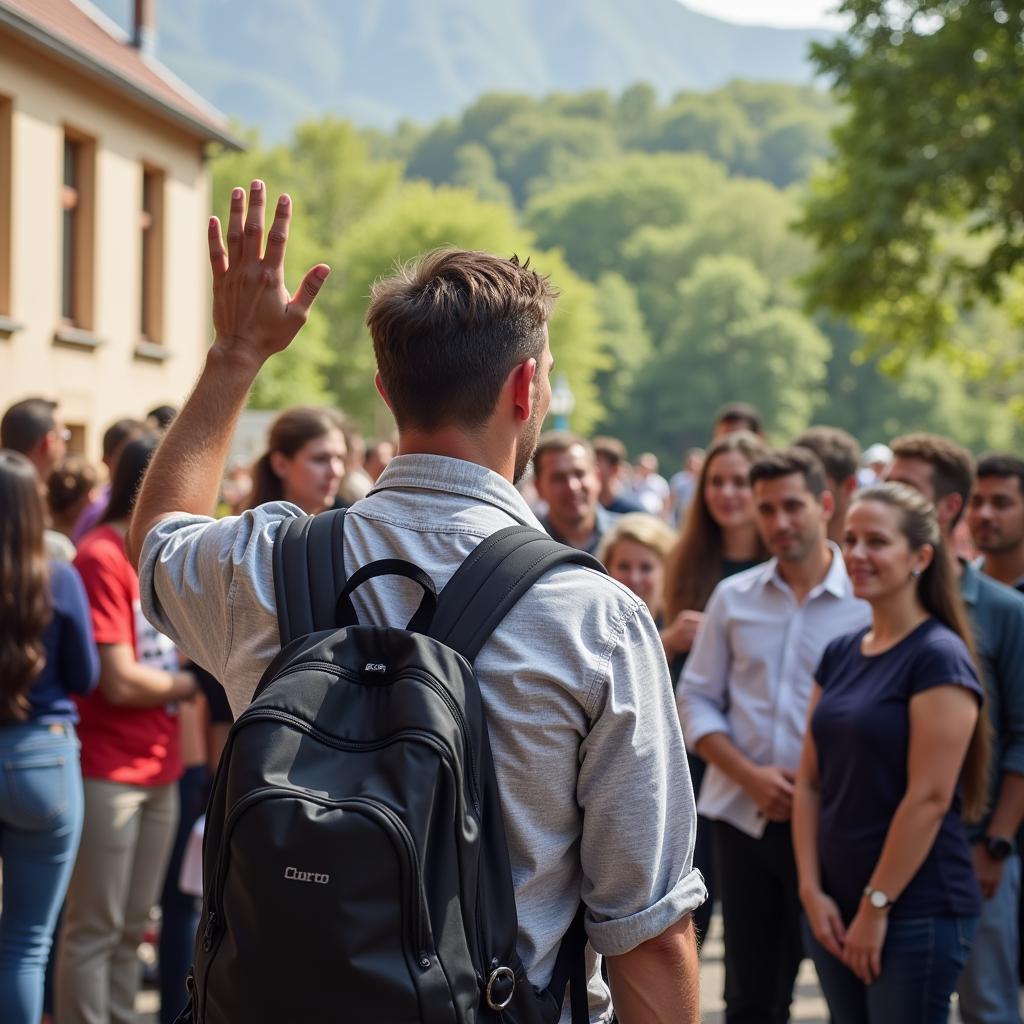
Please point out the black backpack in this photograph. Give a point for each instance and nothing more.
(355, 863)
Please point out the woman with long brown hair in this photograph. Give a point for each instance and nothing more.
(46, 654)
(304, 461)
(896, 751)
(719, 538)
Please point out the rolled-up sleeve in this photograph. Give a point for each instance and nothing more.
(702, 697)
(191, 570)
(639, 819)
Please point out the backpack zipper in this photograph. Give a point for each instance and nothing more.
(432, 683)
(460, 720)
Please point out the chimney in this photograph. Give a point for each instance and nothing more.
(144, 29)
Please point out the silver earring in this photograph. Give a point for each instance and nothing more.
(915, 573)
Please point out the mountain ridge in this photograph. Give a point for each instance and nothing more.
(382, 61)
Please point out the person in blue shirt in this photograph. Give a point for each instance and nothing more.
(46, 655)
(896, 751)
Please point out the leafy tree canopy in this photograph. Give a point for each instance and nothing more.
(932, 139)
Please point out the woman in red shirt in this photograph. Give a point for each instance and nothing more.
(130, 766)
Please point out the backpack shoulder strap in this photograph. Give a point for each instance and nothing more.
(309, 573)
(499, 571)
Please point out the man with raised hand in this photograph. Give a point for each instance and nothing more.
(586, 746)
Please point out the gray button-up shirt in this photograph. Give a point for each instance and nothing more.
(586, 742)
(750, 674)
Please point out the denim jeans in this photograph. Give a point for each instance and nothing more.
(921, 961)
(40, 826)
(989, 988)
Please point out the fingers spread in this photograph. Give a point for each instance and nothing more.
(308, 290)
(218, 255)
(235, 226)
(252, 242)
(277, 240)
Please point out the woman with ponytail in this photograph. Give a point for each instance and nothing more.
(304, 461)
(896, 751)
(46, 654)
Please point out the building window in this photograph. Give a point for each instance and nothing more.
(151, 293)
(77, 247)
(6, 197)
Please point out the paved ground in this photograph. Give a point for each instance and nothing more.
(808, 1007)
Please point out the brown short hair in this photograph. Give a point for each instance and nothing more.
(611, 449)
(839, 451)
(448, 328)
(1001, 464)
(781, 462)
(26, 423)
(558, 441)
(740, 412)
(952, 464)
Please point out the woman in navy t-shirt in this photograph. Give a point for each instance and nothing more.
(896, 750)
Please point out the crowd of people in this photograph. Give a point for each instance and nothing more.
(121, 733)
(844, 635)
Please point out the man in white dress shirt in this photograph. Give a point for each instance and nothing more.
(743, 703)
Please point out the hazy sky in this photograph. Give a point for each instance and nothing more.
(804, 13)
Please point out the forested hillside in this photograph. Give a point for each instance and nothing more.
(668, 227)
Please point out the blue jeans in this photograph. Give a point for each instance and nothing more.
(921, 961)
(989, 986)
(40, 825)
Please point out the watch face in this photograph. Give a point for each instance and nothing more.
(878, 899)
(999, 848)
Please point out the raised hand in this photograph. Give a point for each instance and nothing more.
(253, 313)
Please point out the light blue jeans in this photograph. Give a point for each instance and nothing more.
(40, 825)
(989, 987)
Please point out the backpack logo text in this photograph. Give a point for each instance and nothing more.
(295, 875)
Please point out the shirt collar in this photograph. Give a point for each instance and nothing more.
(836, 581)
(455, 476)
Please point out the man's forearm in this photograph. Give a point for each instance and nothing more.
(188, 467)
(658, 982)
(1008, 812)
(718, 749)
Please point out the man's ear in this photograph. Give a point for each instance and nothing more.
(520, 381)
(828, 504)
(379, 384)
(948, 510)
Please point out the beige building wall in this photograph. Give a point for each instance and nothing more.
(113, 379)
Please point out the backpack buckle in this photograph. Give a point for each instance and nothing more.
(501, 986)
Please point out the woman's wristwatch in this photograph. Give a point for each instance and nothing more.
(877, 898)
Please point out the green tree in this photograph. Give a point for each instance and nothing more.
(475, 169)
(599, 208)
(626, 342)
(932, 90)
(729, 342)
